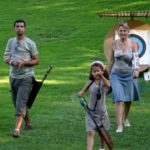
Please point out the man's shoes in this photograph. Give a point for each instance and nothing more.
(28, 126)
(16, 133)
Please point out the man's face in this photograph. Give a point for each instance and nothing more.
(19, 28)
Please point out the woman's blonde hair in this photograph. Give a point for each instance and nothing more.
(124, 25)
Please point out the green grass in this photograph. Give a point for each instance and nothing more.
(69, 35)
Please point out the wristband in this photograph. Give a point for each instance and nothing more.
(10, 62)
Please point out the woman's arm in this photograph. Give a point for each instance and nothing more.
(111, 58)
(136, 60)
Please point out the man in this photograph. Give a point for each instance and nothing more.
(21, 54)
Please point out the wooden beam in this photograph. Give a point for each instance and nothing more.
(145, 13)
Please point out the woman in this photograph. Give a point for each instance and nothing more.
(124, 69)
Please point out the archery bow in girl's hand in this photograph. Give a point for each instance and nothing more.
(102, 132)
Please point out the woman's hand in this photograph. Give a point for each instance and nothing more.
(135, 74)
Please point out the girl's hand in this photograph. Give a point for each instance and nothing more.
(81, 93)
(135, 74)
(100, 73)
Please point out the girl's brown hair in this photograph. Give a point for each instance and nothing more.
(105, 74)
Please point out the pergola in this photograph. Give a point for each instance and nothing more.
(132, 14)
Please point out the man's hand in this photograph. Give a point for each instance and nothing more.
(21, 64)
(18, 64)
(15, 64)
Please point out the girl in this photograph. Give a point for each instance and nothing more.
(98, 86)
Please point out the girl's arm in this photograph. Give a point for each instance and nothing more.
(105, 81)
(84, 89)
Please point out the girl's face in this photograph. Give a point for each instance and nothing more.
(96, 72)
(123, 32)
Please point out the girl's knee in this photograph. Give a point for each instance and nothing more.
(91, 133)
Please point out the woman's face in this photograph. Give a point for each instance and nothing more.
(96, 72)
(123, 32)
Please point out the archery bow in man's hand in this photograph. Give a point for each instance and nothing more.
(36, 87)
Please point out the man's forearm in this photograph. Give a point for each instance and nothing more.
(31, 62)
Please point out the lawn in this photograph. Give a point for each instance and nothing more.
(69, 35)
